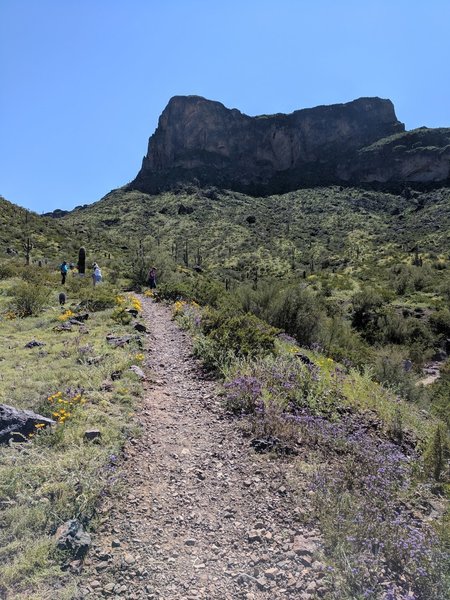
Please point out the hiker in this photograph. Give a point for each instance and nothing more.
(96, 274)
(63, 270)
(151, 279)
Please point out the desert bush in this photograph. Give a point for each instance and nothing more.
(76, 285)
(436, 452)
(297, 310)
(7, 270)
(241, 334)
(440, 394)
(389, 370)
(259, 301)
(194, 287)
(366, 305)
(344, 344)
(97, 298)
(394, 328)
(440, 322)
(221, 335)
(29, 299)
(214, 357)
(407, 278)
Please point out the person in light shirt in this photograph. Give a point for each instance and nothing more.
(96, 274)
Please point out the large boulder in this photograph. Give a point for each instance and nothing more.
(17, 424)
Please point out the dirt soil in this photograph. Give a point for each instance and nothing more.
(203, 516)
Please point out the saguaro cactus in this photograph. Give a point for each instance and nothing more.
(81, 261)
(28, 247)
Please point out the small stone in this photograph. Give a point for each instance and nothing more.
(34, 344)
(303, 546)
(261, 583)
(129, 558)
(109, 587)
(92, 434)
(95, 584)
(254, 536)
(190, 542)
(271, 573)
(115, 543)
(138, 371)
(306, 560)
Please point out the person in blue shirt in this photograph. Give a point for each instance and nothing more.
(63, 270)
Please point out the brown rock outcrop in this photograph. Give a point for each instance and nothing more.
(199, 140)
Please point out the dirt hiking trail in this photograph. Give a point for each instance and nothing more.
(203, 516)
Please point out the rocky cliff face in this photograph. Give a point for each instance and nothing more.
(201, 140)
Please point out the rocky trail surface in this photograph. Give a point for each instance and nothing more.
(203, 516)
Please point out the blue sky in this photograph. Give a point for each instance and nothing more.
(84, 81)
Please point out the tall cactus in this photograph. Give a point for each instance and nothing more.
(81, 261)
(28, 247)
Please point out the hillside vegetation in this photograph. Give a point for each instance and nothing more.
(318, 309)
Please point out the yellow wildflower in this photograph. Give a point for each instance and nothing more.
(66, 315)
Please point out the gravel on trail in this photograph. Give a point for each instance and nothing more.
(203, 516)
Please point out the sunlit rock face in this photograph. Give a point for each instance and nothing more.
(202, 141)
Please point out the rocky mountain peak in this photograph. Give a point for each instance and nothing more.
(201, 140)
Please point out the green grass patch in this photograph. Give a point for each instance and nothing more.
(56, 475)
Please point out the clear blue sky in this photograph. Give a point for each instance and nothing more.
(84, 81)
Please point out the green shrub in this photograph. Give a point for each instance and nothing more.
(440, 395)
(297, 310)
(226, 336)
(7, 271)
(29, 299)
(440, 321)
(344, 344)
(214, 357)
(389, 370)
(194, 287)
(245, 335)
(434, 455)
(99, 298)
(366, 305)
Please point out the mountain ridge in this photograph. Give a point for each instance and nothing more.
(201, 141)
